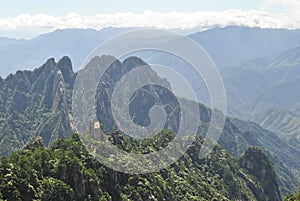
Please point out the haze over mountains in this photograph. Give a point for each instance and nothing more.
(258, 53)
(226, 46)
(265, 90)
(260, 69)
(76, 43)
(37, 103)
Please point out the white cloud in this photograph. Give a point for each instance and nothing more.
(39, 23)
(289, 10)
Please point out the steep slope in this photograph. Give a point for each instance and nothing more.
(236, 137)
(284, 155)
(250, 61)
(258, 164)
(45, 112)
(66, 171)
(36, 103)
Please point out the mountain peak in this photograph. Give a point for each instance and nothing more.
(50, 61)
(65, 66)
(134, 59)
(257, 163)
(65, 60)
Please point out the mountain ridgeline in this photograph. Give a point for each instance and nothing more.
(227, 46)
(260, 67)
(265, 90)
(38, 103)
(236, 137)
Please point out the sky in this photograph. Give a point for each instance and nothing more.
(91, 7)
(26, 19)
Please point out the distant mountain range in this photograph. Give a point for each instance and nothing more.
(260, 69)
(76, 43)
(232, 45)
(265, 91)
(227, 46)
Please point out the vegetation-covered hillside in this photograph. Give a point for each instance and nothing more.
(294, 197)
(35, 103)
(66, 171)
(38, 103)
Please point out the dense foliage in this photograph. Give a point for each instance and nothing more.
(66, 171)
(35, 103)
(294, 197)
(38, 103)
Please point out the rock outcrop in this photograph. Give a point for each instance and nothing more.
(258, 164)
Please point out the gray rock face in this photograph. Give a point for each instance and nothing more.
(259, 165)
(36, 103)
